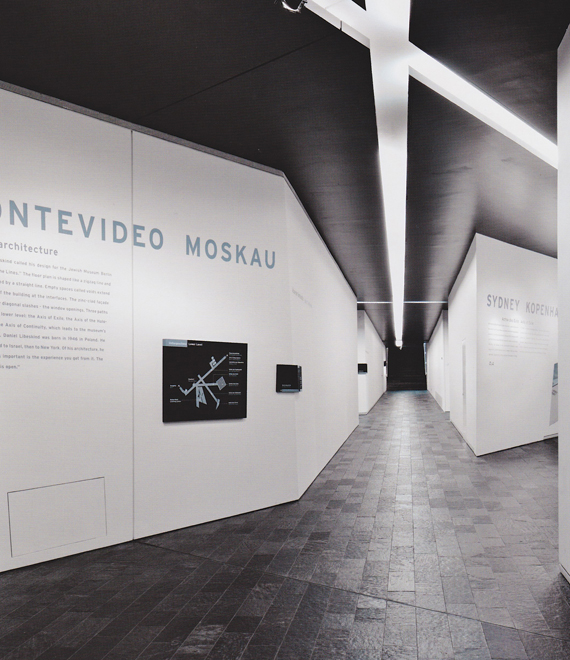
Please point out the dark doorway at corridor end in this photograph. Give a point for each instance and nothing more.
(406, 368)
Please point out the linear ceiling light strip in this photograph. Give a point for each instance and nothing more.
(385, 25)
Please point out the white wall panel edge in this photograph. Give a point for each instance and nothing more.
(462, 322)
(463, 438)
(316, 231)
(324, 331)
(564, 301)
(437, 363)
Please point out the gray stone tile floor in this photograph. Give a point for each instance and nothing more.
(407, 546)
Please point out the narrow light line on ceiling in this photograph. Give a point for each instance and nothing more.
(226, 80)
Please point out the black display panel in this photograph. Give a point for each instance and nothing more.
(288, 378)
(203, 380)
(362, 367)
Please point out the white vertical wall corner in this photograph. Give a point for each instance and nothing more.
(462, 322)
(438, 362)
(372, 352)
(564, 300)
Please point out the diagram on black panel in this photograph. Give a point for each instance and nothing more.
(203, 380)
(200, 385)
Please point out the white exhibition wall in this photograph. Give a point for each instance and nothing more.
(438, 362)
(66, 324)
(564, 301)
(503, 341)
(211, 469)
(372, 352)
(112, 241)
(324, 331)
(517, 307)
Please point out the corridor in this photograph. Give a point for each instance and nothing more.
(406, 546)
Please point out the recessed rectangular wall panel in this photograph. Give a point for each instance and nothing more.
(56, 516)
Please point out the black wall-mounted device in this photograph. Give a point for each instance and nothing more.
(289, 378)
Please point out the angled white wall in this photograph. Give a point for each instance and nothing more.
(372, 352)
(564, 300)
(438, 362)
(503, 338)
(517, 309)
(323, 327)
(99, 263)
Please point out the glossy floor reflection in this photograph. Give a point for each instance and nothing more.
(406, 546)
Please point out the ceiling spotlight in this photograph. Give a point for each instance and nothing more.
(293, 10)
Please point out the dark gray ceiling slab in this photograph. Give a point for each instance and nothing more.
(381, 317)
(465, 177)
(128, 58)
(419, 322)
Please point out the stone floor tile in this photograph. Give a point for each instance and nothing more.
(403, 534)
(504, 643)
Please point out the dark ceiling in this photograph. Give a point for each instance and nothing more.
(291, 92)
